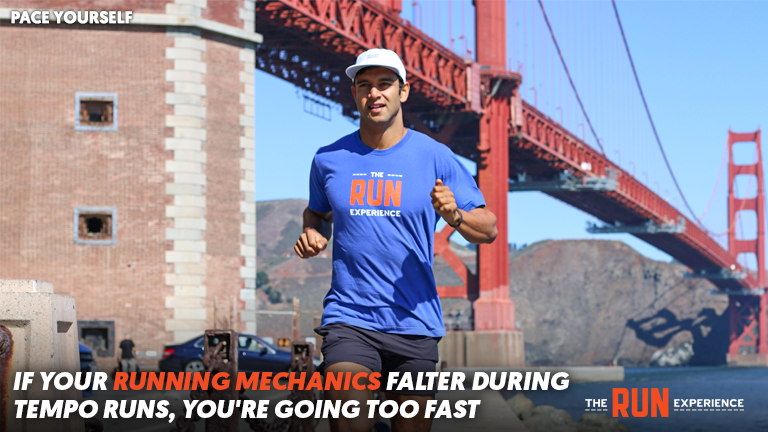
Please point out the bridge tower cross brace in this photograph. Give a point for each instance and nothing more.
(748, 314)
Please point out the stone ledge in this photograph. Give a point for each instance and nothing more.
(185, 10)
(189, 144)
(184, 212)
(176, 166)
(182, 257)
(246, 143)
(189, 268)
(173, 53)
(184, 324)
(189, 291)
(183, 99)
(190, 223)
(173, 279)
(173, 75)
(247, 186)
(189, 201)
(190, 245)
(183, 302)
(190, 65)
(189, 88)
(25, 285)
(191, 43)
(192, 133)
(189, 110)
(183, 189)
(190, 314)
(183, 234)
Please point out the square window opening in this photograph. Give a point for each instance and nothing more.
(96, 338)
(99, 336)
(96, 111)
(95, 225)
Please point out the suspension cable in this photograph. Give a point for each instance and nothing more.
(573, 86)
(648, 111)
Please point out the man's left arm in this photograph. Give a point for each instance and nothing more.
(477, 225)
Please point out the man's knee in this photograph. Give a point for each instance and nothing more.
(346, 391)
(361, 423)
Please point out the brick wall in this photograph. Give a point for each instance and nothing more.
(47, 168)
(137, 6)
(178, 170)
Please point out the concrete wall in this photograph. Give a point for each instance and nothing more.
(483, 349)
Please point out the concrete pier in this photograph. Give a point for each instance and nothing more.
(38, 333)
(490, 348)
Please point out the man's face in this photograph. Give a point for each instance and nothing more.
(378, 94)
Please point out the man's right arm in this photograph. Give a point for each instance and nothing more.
(317, 230)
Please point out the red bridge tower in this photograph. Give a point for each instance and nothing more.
(749, 328)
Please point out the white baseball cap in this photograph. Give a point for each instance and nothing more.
(378, 57)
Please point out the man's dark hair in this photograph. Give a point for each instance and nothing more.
(399, 79)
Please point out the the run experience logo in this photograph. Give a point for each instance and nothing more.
(378, 192)
(655, 402)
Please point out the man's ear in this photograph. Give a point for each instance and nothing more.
(353, 89)
(405, 90)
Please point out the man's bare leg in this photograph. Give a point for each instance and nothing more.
(414, 424)
(361, 423)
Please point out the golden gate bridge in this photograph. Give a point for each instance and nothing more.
(473, 102)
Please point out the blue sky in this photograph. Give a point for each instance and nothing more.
(701, 65)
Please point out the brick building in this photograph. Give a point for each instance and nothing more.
(127, 166)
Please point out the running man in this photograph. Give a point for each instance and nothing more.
(382, 189)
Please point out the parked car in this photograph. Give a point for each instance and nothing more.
(255, 355)
(87, 364)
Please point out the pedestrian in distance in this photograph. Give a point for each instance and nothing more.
(379, 192)
(128, 355)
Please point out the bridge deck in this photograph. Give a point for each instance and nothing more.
(542, 148)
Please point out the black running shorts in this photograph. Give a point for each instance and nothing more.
(379, 352)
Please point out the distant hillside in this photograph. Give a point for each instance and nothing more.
(589, 301)
(278, 227)
(577, 301)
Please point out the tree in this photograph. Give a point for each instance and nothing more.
(274, 295)
(262, 278)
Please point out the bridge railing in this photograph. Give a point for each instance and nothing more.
(352, 26)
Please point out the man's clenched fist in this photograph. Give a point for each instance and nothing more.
(444, 203)
(310, 243)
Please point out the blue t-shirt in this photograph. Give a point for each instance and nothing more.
(383, 229)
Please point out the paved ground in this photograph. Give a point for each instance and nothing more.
(176, 406)
(493, 414)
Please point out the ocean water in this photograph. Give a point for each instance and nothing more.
(750, 384)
